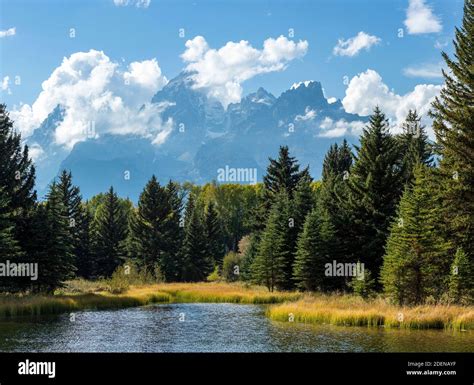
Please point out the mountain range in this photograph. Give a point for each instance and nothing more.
(205, 138)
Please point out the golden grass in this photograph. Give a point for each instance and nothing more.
(224, 292)
(94, 297)
(350, 310)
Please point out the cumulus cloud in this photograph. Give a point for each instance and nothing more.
(352, 46)
(8, 32)
(136, 3)
(309, 114)
(367, 90)
(220, 72)
(333, 129)
(428, 70)
(95, 92)
(421, 19)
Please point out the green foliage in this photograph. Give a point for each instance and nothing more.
(461, 280)
(213, 233)
(363, 286)
(375, 186)
(453, 122)
(231, 267)
(270, 266)
(110, 228)
(416, 263)
(197, 263)
(313, 252)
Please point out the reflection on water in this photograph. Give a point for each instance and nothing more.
(211, 328)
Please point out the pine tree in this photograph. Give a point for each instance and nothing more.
(150, 226)
(197, 264)
(171, 260)
(461, 279)
(272, 263)
(414, 145)
(453, 122)
(283, 174)
(303, 202)
(110, 232)
(84, 258)
(214, 237)
(9, 248)
(416, 262)
(313, 252)
(375, 186)
(17, 177)
(338, 161)
(54, 255)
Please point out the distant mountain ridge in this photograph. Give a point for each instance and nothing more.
(205, 138)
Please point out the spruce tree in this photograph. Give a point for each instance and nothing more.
(84, 248)
(461, 285)
(313, 252)
(171, 260)
(17, 177)
(150, 226)
(337, 161)
(375, 185)
(416, 262)
(453, 122)
(110, 232)
(414, 145)
(272, 264)
(55, 253)
(214, 237)
(197, 263)
(9, 248)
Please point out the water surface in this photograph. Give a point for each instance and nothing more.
(210, 328)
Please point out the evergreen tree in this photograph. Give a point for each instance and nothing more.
(150, 227)
(303, 202)
(197, 264)
(84, 253)
(214, 237)
(313, 252)
(416, 263)
(9, 248)
(171, 260)
(375, 186)
(272, 263)
(453, 122)
(54, 253)
(283, 174)
(461, 279)
(414, 145)
(17, 177)
(338, 160)
(110, 232)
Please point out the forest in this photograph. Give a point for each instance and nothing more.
(400, 205)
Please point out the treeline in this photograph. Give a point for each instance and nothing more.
(398, 205)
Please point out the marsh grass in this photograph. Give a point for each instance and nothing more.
(349, 310)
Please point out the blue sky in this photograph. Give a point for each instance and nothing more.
(136, 33)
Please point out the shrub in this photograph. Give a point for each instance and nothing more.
(231, 267)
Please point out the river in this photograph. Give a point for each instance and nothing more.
(210, 328)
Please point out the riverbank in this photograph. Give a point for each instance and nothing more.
(335, 309)
(348, 310)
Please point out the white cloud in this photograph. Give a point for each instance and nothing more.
(421, 19)
(136, 3)
(428, 70)
(92, 88)
(8, 32)
(354, 45)
(332, 100)
(220, 72)
(5, 83)
(309, 114)
(333, 129)
(367, 90)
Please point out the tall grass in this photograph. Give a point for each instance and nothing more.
(349, 310)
